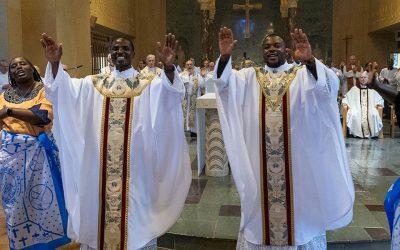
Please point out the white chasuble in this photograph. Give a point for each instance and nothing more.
(363, 118)
(124, 183)
(286, 150)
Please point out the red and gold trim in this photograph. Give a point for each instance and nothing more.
(114, 173)
(275, 160)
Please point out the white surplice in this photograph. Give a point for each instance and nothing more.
(194, 84)
(349, 73)
(160, 173)
(363, 119)
(322, 184)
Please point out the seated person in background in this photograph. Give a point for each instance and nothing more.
(363, 119)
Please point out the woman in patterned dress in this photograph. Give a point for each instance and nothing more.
(30, 180)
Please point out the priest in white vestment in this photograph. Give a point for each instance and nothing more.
(194, 86)
(363, 119)
(150, 70)
(283, 138)
(208, 79)
(125, 163)
(110, 66)
(387, 75)
(352, 72)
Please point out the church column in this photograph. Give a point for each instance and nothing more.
(285, 20)
(292, 10)
(288, 13)
(68, 22)
(207, 8)
(11, 29)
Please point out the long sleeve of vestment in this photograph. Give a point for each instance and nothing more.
(69, 119)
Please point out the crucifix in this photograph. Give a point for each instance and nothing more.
(247, 7)
(346, 39)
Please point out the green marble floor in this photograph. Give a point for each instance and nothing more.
(212, 209)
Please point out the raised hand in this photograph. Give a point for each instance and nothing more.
(167, 52)
(52, 51)
(302, 46)
(226, 42)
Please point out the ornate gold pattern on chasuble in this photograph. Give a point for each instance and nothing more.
(274, 86)
(275, 162)
(115, 158)
(121, 87)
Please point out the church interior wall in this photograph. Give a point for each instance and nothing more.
(367, 43)
(183, 20)
(11, 33)
(116, 15)
(184, 17)
(70, 22)
(150, 26)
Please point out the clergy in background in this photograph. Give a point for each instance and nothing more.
(125, 163)
(194, 86)
(352, 72)
(150, 70)
(285, 146)
(363, 119)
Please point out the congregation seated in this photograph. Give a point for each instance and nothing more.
(364, 110)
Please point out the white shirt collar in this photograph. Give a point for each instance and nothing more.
(131, 72)
(284, 67)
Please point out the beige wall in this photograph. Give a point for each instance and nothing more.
(116, 15)
(68, 21)
(384, 13)
(372, 39)
(150, 23)
(143, 20)
(11, 29)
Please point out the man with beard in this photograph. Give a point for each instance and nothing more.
(124, 183)
(283, 138)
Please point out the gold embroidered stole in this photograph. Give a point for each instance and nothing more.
(364, 104)
(115, 157)
(276, 163)
(192, 107)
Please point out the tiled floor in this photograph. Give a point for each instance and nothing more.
(375, 165)
(212, 207)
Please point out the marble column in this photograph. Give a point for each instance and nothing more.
(216, 157)
(288, 13)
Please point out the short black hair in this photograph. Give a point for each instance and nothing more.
(272, 35)
(36, 75)
(124, 38)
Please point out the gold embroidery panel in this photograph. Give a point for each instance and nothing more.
(275, 86)
(115, 180)
(280, 227)
(121, 87)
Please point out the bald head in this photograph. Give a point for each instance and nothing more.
(352, 60)
(151, 61)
